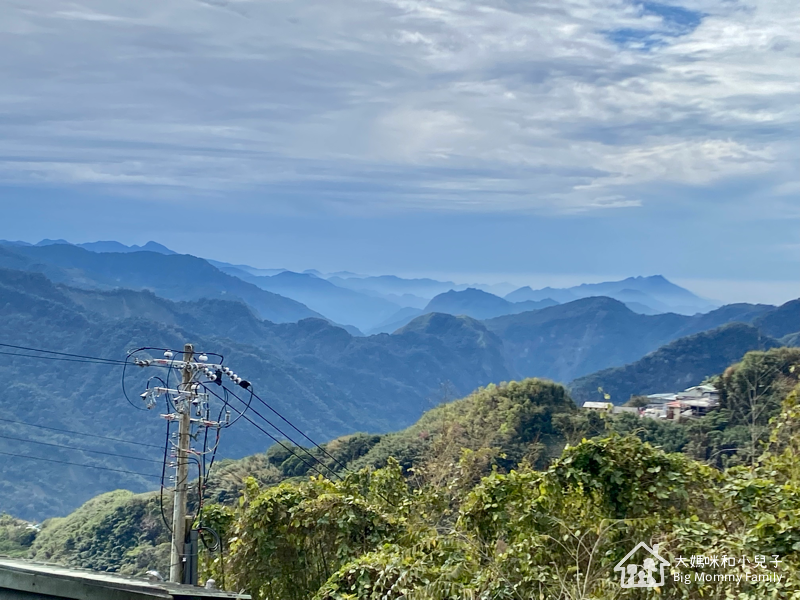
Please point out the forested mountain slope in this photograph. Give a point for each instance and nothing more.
(570, 340)
(676, 366)
(322, 378)
(175, 276)
(517, 421)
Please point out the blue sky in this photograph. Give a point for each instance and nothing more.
(538, 142)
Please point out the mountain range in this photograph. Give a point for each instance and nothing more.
(371, 304)
(325, 380)
(330, 380)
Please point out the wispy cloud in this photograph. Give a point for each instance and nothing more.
(442, 104)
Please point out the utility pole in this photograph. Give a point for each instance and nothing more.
(184, 408)
(188, 397)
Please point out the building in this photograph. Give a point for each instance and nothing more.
(24, 580)
(692, 402)
(599, 406)
(690, 408)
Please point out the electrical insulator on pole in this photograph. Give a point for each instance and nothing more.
(186, 399)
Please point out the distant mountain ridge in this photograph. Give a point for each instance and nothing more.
(173, 276)
(676, 366)
(339, 304)
(103, 246)
(570, 340)
(654, 292)
(481, 305)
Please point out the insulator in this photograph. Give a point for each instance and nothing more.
(168, 354)
(202, 358)
(227, 417)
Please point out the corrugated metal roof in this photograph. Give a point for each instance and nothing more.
(598, 405)
(39, 580)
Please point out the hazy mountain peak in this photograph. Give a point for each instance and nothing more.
(47, 242)
(114, 246)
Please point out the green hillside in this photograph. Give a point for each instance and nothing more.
(499, 425)
(486, 502)
(674, 367)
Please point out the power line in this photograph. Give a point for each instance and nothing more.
(320, 448)
(64, 462)
(267, 433)
(16, 439)
(108, 360)
(282, 445)
(77, 360)
(278, 429)
(94, 435)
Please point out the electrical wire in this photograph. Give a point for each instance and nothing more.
(102, 437)
(271, 424)
(218, 547)
(175, 351)
(76, 360)
(16, 439)
(94, 358)
(163, 474)
(227, 391)
(124, 391)
(289, 438)
(64, 462)
(320, 448)
(276, 440)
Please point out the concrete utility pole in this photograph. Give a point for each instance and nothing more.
(189, 396)
(182, 473)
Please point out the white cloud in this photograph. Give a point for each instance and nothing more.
(485, 105)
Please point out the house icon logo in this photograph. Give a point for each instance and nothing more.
(642, 567)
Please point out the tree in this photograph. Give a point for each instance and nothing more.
(752, 391)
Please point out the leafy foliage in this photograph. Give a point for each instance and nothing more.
(480, 511)
(117, 531)
(16, 536)
(555, 534)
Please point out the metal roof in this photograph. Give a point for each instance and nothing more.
(599, 405)
(27, 580)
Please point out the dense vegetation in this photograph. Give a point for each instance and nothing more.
(16, 536)
(510, 492)
(522, 533)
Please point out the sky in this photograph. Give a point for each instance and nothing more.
(547, 142)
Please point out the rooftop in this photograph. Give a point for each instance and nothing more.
(598, 405)
(35, 581)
